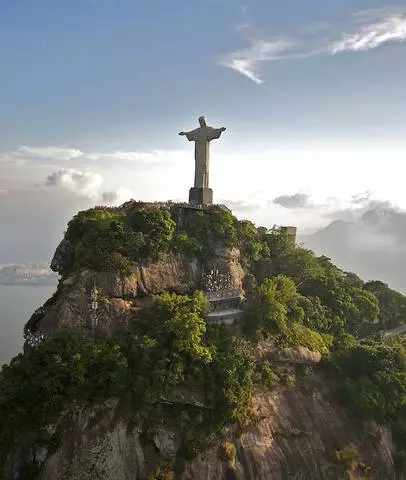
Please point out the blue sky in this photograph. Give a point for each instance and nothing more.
(94, 92)
(94, 72)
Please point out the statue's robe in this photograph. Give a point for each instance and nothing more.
(202, 137)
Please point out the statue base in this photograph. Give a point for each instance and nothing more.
(201, 196)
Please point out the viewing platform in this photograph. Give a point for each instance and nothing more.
(224, 300)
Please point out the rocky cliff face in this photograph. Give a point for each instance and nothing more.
(296, 437)
(121, 295)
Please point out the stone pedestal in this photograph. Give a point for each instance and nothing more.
(201, 196)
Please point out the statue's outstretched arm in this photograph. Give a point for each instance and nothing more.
(191, 136)
(215, 133)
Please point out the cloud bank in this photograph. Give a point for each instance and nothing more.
(51, 153)
(54, 155)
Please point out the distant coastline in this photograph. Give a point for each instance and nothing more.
(29, 283)
(27, 274)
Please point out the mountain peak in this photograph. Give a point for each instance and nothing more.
(376, 216)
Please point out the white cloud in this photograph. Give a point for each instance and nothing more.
(370, 36)
(146, 158)
(49, 153)
(88, 184)
(12, 159)
(365, 30)
(81, 182)
(246, 61)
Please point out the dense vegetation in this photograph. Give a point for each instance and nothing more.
(169, 350)
(109, 240)
(113, 239)
(371, 381)
(294, 298)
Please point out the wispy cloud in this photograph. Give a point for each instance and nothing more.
(245, 61)
(364, 30)
(155, 157)
(370, 36)
(51, 153)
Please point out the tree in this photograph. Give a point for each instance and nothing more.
(373, 379)
(392, 304)
(157, 228)
(249, 242)
(266, 314)
(314, 315)
(272, 304)
(353, 279)
(176, 324)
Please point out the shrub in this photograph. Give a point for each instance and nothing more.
(289, 380)
(268, 378)
(349, 457)
(228, 452)
(298, 335)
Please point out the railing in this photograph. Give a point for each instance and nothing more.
(222, 294)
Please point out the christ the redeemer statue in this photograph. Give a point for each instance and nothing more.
(202, 136)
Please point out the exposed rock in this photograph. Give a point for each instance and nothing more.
(228, 260)
(63, 252)
(166, 441)
(266, 350)
(111, 284)
(177, 272)
(97, 453)
(296, 355)
(294, 440)
(72, 309)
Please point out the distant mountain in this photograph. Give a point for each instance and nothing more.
(373, 246)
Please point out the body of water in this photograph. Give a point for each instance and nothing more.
(17, 303)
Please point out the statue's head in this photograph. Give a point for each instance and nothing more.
(202, 121)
